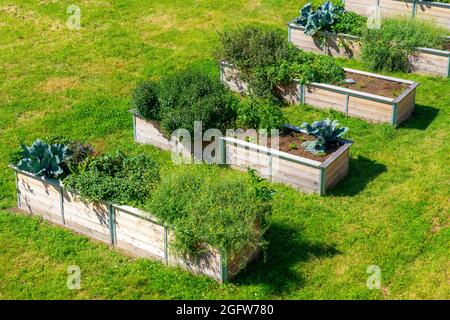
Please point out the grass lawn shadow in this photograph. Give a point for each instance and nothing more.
(421, 118)
(279, 272)
(362, 171)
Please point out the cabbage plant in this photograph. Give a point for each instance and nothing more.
(327, 132)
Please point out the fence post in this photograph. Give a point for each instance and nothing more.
(61, 204)
(112, 224)
(223, 266)
(166, 249)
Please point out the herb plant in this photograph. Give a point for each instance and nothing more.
(228, 211)
(390, 47)
(116, 178)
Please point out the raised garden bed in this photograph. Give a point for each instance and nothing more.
(374, 97)
(424, 60)
(427, 10)
(299, 169)
(296, 168)
(124, 227)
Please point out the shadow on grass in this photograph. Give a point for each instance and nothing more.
(362, 171)
(286, 248)
(421, 118)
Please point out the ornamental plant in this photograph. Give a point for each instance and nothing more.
(326, 132)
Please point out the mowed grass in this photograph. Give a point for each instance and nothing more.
(391, 211)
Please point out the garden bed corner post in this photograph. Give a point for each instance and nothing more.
(112, 224)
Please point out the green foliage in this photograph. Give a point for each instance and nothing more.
(330, 17)
(79, 156)
(43, 159)
(266, 60)
(116, 178)
(206, 205)
(389, 47)
(191, 96)
(145, 100)
(254, 113)
(327, 132)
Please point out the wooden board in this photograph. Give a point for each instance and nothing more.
(436, 13)
(372, 111)
(37, 197)
(406, 107)
(335, 45)
(390, 8)
(337, 170)
(361, 7)
(325, 99)
(428, 63)
(91, 219)
(138, 236)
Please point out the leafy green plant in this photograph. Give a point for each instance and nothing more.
(389, 47)
(43, 159)
(254, 113)
(206, 205)
(145, 100)
(330, 17)
(116, 178)
(293, 146)
(191, 96)
(327, 132)
(266, 60)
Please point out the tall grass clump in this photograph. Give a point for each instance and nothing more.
(389, 47)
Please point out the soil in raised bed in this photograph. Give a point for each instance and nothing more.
(291, 138)
(372, 85)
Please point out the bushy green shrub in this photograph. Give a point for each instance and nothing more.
(145, 100)
(116, 178)
(389, 47)
(266, 60)
(204, 204)
(191, 96)
(254, 113)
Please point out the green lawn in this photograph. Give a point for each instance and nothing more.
(391, 211)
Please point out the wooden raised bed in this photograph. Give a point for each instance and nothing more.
(424, 60)
(434, 11)
(306, 175)
(373, 108)
(127, 228)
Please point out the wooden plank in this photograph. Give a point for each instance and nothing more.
(337, 171)
(369, 110)
(429, 63)
(325, 99)
(361, 7)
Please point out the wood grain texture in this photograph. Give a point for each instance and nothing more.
(406, 107)
(438, 14)
(361, 7)
(337, 170)
(429, 63)
(371, 111)
(39, 198)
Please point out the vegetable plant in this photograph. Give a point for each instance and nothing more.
(43, 159)
(326, 132)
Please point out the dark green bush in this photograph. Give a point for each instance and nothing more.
(145, 100)
(260, 114)
(204, 204)
(191, 96)
(266, 60)
(116, 178)
(389, 47)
